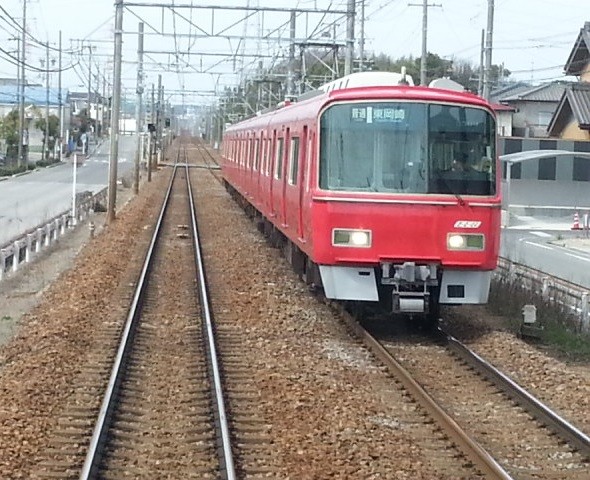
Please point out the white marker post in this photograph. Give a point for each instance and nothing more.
(74, 217)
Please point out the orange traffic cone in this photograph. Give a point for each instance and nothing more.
(576, 225)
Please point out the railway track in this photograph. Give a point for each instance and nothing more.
(163, 414)
(525, 440)
(157, 418)
(504, 430)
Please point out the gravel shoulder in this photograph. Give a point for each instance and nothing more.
(25, 289)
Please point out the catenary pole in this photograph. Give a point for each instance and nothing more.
(138, 109)
(116, 103)
(291, 66)
(158, 123)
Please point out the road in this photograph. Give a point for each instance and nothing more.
(31, 199)
(551, 246)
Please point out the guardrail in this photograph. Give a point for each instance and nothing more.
(22, 249)
(573, 298)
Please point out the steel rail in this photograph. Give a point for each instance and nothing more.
(480, 457)
(94, 454)
(226, 455)
(540, 411)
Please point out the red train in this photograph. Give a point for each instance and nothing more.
(379, 191)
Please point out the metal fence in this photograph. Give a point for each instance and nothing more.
(574, 299)
(25, 247)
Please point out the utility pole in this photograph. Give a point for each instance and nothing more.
(98, 122)
(21, 122)
(349, 57)
(424, 57)
(138, 108)
(116, 104)
(60, 107)
(481, 68)
(89, 112)
(46, 136)
(362, 40)
(104, 131)
(489, 36)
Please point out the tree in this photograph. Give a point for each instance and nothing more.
(9, 132)
(48, 137)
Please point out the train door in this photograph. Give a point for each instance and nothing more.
(285, 174)
(247, 169)
(275, 173)
(254, 165)
(301, 180)
(306, 184)
(259, 166)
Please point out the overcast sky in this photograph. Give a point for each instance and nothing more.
(533, 38)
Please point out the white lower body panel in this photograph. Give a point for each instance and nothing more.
(465, 286)
(349, 283)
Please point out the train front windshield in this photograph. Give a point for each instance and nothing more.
(398, 147)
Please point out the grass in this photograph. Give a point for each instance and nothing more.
(568, 344)
(561, 332)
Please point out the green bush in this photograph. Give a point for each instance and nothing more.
(13, 170)
(46, 163)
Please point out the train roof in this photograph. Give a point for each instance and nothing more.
(388, 88)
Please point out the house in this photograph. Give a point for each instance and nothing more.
(98, 111)
(533, 106)
(36, 96)
(504, 114)
(556, 185)
(572, 117)
(38, 101)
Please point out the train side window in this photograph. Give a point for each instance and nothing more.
(279, 159)
(249, 154)
(256, 157)
(293, 160)
(268, 157)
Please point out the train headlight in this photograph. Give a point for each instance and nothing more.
(351, 238)
(466, 241)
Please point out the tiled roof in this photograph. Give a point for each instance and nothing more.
(575, 103)
(498, 107)
(34, 94)
(579, 99)
(580, 54)
(547, 92)
(508, 89)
